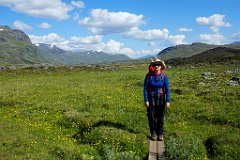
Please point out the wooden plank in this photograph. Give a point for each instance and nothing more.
(152, 154)
(156, 150)
(161, 150)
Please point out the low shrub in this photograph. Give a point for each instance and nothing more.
(185, 146)
(223, 146)
(108, 153)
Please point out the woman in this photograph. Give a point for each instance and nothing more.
(156, 98)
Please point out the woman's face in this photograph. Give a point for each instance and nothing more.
(157, 67)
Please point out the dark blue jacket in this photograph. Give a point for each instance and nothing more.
(154, 83)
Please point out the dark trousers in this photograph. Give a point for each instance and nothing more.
(155, 112)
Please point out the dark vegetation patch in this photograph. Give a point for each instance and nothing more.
(218, 146)
(10, 103)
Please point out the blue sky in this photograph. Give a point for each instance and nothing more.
(136, 28)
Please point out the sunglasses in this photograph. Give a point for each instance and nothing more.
(154, 65)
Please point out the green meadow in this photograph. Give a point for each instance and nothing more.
(97, 113)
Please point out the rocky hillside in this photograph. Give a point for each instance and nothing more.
(185, 50)
(52, 54)
(16, 48)
(219, 55)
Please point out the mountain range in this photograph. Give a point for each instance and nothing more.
(16, 48)
(55, 55)
(184, 50)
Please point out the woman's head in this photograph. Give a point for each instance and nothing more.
(157, 67)
(158, 64)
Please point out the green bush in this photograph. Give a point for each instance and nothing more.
(108, 153)
(185, 146)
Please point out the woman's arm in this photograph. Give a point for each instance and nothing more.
(167, 88)
(145, 89)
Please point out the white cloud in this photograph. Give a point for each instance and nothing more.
(115, 47)
(86, 40)
(151, 43)
(75, 16)
(236, 36)
(212, 38)
(78, 4)
(74, 42)
(215, 21)
(177, 39)
(39, 8)
(102, 22)
(22, 26)
(45, 25)
(154, 34)
(51, 38)
(105, 22)
(185, 30)
(154, 51)
(81, 43)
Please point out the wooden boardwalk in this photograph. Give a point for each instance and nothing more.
(156, 150)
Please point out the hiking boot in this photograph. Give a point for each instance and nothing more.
(153, 136)
(160, 137)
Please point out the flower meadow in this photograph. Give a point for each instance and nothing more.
(97, 112)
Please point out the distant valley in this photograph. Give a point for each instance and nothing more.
(55, 55)
(16, 49)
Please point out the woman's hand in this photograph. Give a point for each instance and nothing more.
(168, 105)
(146, 104)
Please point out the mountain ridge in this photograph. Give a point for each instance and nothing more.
(219, 55)
(16, 48)
(188, 50)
